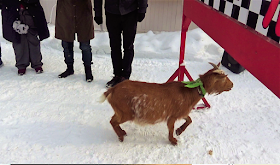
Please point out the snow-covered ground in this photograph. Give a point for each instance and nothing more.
(44, 119)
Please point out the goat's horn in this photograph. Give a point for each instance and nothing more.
(219, 71)
(215, 66)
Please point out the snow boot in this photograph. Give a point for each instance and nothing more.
(88, 73)
(115, 81)
(69, 71)
(39, 70)
(21, 71)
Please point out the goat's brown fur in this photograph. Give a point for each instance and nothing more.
(150, 103)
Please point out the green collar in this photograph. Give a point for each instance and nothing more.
(194, 84)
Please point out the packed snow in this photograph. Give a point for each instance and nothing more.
(44, 119)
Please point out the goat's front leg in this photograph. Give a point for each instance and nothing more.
(184, 126)
(170, 125)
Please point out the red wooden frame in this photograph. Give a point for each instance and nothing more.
(257, 53)
(182, 70)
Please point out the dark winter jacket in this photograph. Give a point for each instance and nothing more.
(74, 16)
(120, 7)
(10, 13)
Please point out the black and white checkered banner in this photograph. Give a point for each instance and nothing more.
(261, 15)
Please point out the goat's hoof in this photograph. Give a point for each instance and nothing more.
(178, 131)
(173, 141)
(121, 139)
(123, 133)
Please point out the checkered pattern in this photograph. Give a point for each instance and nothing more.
(248, 12)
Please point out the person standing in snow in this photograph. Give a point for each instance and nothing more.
(121, 19)
(1, 62)
(24, 24)
(75, 17)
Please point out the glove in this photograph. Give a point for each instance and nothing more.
(98, 20)
(140, 17)
(20, 28)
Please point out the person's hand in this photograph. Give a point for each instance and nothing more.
(140, 17)
(98, 20)
(20, 28)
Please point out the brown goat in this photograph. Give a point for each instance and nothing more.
(150, 103)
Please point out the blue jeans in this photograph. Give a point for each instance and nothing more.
(69, 53)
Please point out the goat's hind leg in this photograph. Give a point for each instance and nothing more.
(184, 126)
(115, 122)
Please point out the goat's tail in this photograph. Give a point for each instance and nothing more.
(104, 96)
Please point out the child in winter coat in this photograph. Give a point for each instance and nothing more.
(25, 25)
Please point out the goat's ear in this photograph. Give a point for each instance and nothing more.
(219, 64)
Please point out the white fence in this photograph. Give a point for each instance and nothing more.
(162, 15)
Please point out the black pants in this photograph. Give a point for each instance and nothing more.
(29, 49)
(126, 26)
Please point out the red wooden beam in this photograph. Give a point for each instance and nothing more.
(259, 54)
